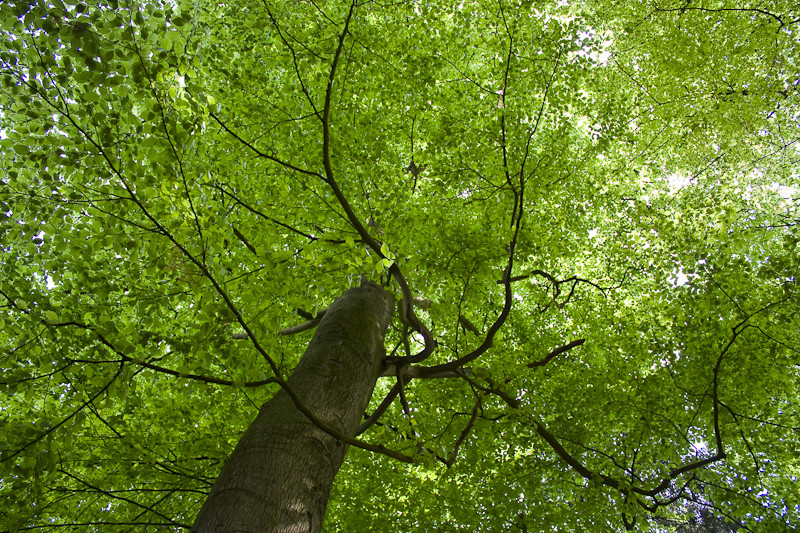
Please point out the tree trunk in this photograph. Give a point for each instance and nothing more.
(280, 475)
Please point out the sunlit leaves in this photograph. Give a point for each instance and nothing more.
(653, 150)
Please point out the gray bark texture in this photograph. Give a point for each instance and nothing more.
(278, 478)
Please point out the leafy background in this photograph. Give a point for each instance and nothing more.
(166, 184)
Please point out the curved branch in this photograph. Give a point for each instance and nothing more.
(69, 417)
(407, 311)
(464, 433)
(305, 326)
(259, 153)
(384, 405)
(561, 349)
(764, 12)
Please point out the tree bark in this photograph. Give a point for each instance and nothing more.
(279, 477)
